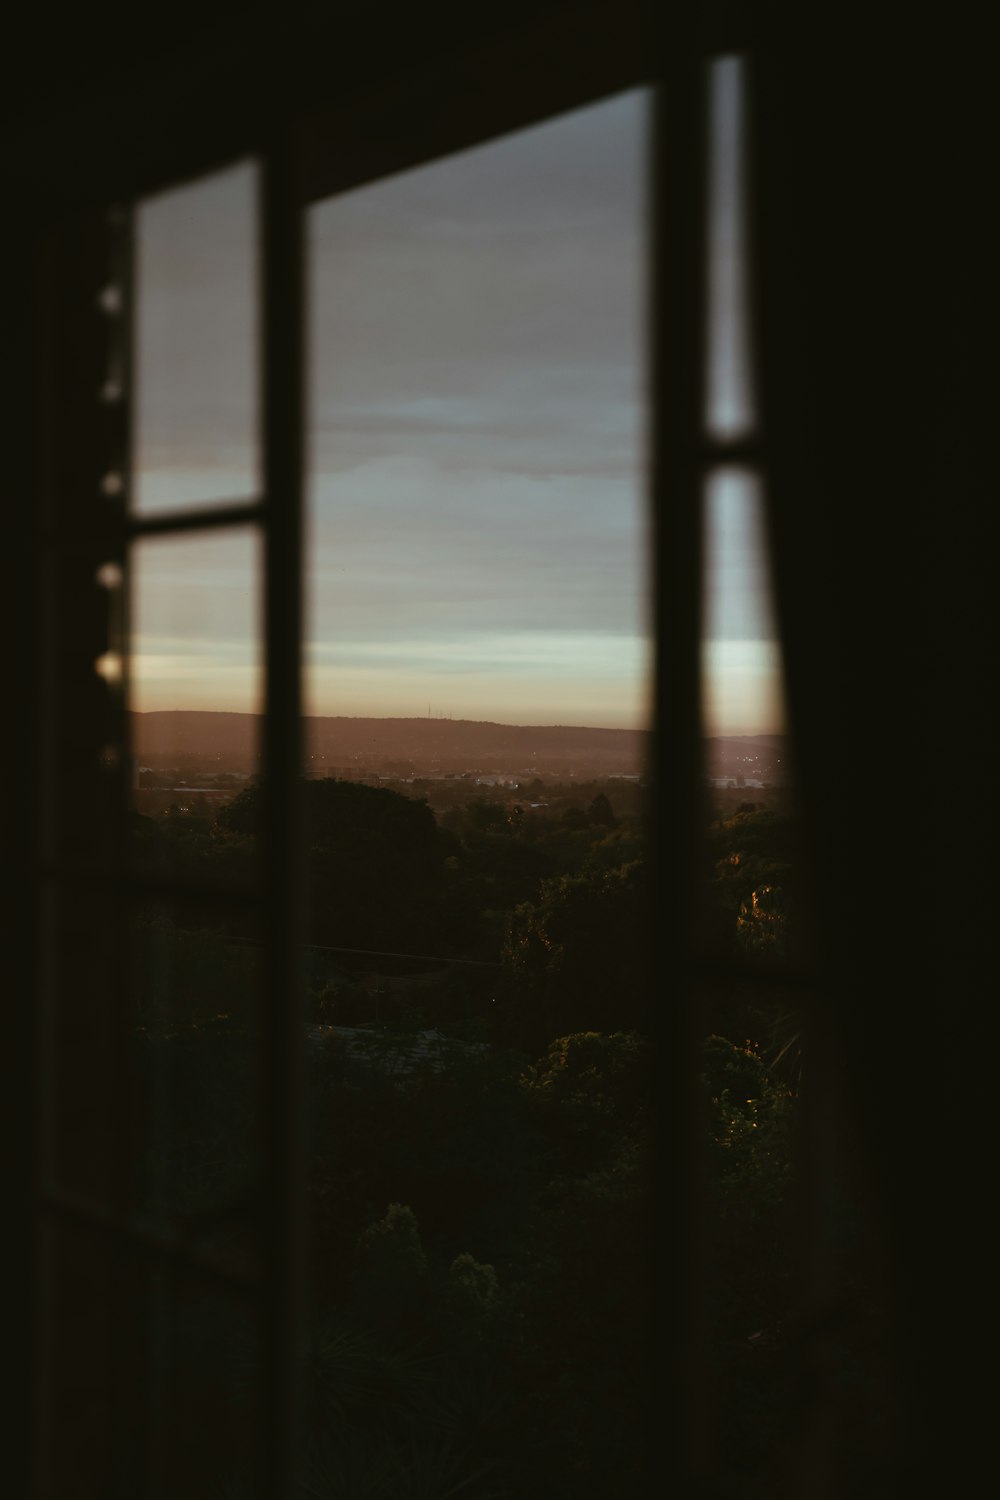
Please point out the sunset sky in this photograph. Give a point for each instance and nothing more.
(476, 497)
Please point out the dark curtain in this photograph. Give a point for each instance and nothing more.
(875, 173)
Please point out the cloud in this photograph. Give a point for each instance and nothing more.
(477, 504)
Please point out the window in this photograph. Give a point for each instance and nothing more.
(99, 1253)
(231, 1278)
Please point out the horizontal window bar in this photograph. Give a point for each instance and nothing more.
(747, 451)
(108, 536)
(230, 513)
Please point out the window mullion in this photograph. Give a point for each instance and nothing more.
(677, 252)
(283, 324)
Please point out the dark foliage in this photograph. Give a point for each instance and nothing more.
(480, 1263)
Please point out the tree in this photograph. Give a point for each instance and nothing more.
(760, 926)
(748, 1250)
(242, 814)
(600, 812)
(578, 956)
(588, 1089)
(473, 1295)
(391, 1248)
(376, 864)
(483, 816)
(752, 882)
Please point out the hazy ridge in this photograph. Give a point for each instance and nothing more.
(339, 745)
(189, 731)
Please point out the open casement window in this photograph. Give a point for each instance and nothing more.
(130, 1270)
(132, 1301)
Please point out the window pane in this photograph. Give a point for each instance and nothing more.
(478, 484)
(195, 693)
(196, 344)
(751, 921)
(478, 680)
(731, 406)
(742, 685)
(752, 899)
(150, 1025)
(195, 984)
(750, 904)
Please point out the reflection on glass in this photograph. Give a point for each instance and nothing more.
(195, 685)
(195, 364)
(730, 397)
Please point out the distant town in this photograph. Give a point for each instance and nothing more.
(201, 760)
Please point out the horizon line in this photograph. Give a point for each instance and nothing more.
(733, 734)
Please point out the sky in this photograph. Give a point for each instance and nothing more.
(476, 499)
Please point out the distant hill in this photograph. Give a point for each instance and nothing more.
(451, 743)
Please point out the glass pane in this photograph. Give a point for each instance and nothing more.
(194, 992)
(478, 685)
(743, 691)
(730, 397)
(751, 796)
(150, 1033)
(195, 693)
(149, 1376)
(478, 482)
(750, 909)
(196, 344)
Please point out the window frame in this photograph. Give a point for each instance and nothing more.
(307, 157)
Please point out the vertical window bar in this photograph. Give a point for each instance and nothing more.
(820, 1146)
(677, 378)
(130, 1369)
(283, 324)
(734, 411)
(80, 725)
(23, 267)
